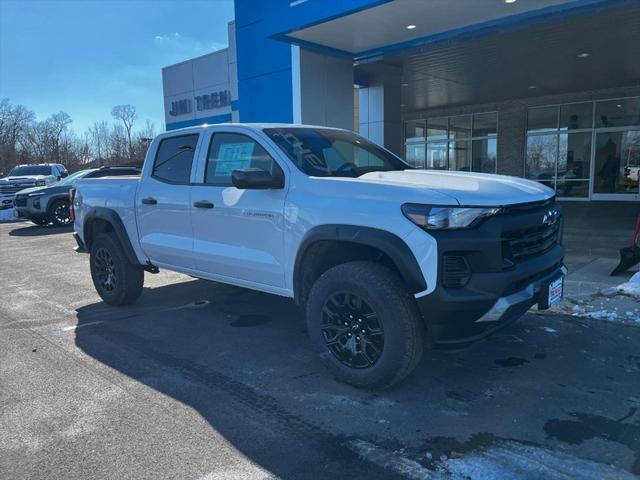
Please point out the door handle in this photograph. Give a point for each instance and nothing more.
(203, 204)
(149, 201)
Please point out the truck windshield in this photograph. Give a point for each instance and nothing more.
(321, 152)
(28, 170)
(71, 179)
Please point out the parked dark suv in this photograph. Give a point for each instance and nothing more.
(50, 204)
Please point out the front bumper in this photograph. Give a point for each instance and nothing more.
(30, 207)
(499, 289)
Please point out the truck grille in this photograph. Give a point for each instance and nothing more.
(13, 188)
(525, 243)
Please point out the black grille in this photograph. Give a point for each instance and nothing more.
(11, 188)
(525, 243)
(21, 201)
(456, 271)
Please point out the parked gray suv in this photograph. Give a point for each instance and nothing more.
(50, 204)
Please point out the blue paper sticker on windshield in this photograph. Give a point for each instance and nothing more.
(233, 156)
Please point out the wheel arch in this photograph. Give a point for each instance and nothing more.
(326, 246)
(103, 220)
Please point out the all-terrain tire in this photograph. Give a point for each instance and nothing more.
(383, 292)
(116, 280)
(58, 213)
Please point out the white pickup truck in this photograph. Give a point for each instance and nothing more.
(385, 258)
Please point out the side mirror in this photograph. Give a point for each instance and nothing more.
(255, 179)
(64, 174)
(1, 174)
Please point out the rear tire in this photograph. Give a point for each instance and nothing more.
(58, 213)
(116, 280)
(365, 325)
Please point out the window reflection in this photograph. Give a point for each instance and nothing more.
(461, 142)
(617, 162)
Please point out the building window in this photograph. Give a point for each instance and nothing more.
(617, 147)
(462, 142)
(559, 147)
(562, 140)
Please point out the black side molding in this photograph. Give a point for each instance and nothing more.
(110, 216)
(392, 245)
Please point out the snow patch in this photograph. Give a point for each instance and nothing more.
(7, 215)
(506, 459)
(630, 288)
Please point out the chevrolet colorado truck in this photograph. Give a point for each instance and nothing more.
(386, 259)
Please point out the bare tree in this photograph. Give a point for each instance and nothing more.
(23, 139)
(14, 121)
(98, 140)
(141, 143)
(127, 115)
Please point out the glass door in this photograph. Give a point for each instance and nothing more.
(617, 150)
(617, 162)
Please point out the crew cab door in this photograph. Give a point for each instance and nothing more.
(238, 234)
(163, 203)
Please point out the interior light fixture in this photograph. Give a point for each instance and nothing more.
(619, 106)
(532, 87)
(411, 27)
(404, 84)
(509, 1)
(583, 55)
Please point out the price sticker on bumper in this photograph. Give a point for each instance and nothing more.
(555, 291)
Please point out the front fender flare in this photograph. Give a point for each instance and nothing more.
(392, 245)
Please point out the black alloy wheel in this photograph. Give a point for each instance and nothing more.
(105, 270)
(60, 213)
(352, 330)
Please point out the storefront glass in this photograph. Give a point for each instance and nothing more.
(586, 150)
(559, 147)
(461, 142)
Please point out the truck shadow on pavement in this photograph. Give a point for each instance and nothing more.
(242, 360)
(37, 231)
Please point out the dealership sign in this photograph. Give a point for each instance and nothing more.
(209, 101)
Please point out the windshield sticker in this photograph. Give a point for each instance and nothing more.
(233, 156)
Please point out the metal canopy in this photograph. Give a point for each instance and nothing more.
(571, 55)
(386, 24)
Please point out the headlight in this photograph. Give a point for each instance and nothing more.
(40, 183)
(446, 218)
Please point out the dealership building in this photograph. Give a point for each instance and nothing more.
(544, 89)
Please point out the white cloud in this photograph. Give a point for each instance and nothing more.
(182, 47)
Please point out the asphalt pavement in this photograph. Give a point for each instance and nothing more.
(199, 380)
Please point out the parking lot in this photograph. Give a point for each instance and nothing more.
(204, 381)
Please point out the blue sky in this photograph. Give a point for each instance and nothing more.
(84, 57)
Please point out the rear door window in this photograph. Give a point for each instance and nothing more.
(174, 159)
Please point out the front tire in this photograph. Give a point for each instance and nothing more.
(59, 213)
(365, 325)
(116, 280)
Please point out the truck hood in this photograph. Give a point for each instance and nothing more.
(470, 189)
(48, 188)
(25, 179)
